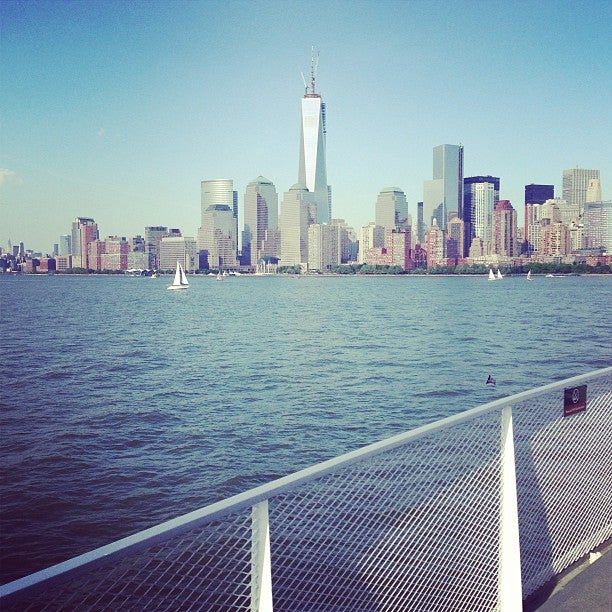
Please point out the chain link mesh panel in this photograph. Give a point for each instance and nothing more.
(205, 569)
(412, 525)
(564, 480)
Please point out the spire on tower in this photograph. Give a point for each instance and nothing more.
(314, 64)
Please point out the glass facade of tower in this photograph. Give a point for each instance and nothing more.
(480, 194)
(575, 184)
(391, 208)
(443, 195)
(313, 167)
(260, 215)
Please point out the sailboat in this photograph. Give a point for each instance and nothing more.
(180, 280)
(491, 275)
(499, 275)
(529, 276)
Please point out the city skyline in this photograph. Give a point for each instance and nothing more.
(124, 126)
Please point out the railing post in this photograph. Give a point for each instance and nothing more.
(261, 568)
(509, 569)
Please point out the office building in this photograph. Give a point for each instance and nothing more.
(65, 245)
(260, 214)
(84, 231)
(313, 166)
(178, 248)
(153, 237)
(455, 239)
(218, 192)
(323, 247)
(504, 229)
(217, 236)
(593, 193)
(372, 236)
(297, 213)
(391, 209)
(555, 240)
(576, 182)
(435, 245)
(444, 193)
(481, 194)
(598, 225)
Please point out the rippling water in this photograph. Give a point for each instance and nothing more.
(123, 404)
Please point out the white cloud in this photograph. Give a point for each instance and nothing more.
(8, 176)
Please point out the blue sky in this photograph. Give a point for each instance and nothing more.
(117, 110)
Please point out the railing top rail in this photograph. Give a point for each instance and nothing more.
(193, 519)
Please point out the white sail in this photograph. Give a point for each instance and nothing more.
(180, 280)
(491, 275)
(529, 275)
(499, 275)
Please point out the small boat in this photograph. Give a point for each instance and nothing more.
(220, 276)
(529, 276)
(499, 275)
(180, 280)
(491, 275)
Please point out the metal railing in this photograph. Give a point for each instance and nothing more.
(473, 512)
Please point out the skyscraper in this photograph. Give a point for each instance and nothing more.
(598, 225)
(84, 231)
(480, 195)
(443, 195)
(260, 214)
(313, 166)
(218, 192)
(391, 208)
(575, 184)
(297, 213)
(504, 229)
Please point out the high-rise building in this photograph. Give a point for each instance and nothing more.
(598, 225)
(217, 236)
(420, 224)
(555, 240)
(504, 229)
(65, 245)
(444, 193)
(538, 194)
(297, 213)
(178, 248)
(391, 209)
(455, 239)
(435, 245)
(260, 214)
(153, 237)
(323, 247)
(372, 236)
(213, 192)
(480, 195)
(84, 231)
(576, 181)
(313, 166)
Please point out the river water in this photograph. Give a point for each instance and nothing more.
(123, 404)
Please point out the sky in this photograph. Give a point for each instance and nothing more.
(117, 110)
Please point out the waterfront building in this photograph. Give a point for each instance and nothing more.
(480, 195)
(372, 236)
(96, 248)
(323, 247)
(444, 193)
(598, 225)
(64, 245)
(504, 229)
(435, 245)
(178, 248)
(313, 166)
(84, 231)
(153, 237)
(217, 192)
(217, 237)
(298, 211)
(593, 192)
(398, 241)
(260, 213)
(576, 181)
(115, 254)
(391, 209)
(63, 263)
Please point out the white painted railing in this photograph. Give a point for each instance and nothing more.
(473, 512)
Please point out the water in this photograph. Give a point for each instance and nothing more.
(123, 404)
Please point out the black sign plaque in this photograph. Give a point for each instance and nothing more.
(575, 400)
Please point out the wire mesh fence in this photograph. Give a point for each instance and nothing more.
(411, 523)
